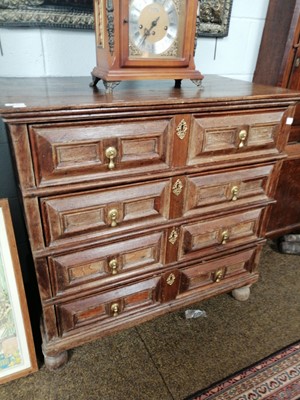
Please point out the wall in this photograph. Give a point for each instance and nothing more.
(44, 52)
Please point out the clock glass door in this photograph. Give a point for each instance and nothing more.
(154, 32)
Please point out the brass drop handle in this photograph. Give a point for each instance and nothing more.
(224, 237)
(234, 193)
(113, 266)
(115, 309)
(112, 216)
(219, 275)
(242, 136)
(111, 153)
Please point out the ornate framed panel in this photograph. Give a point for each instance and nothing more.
(213, 19)
(17, 352)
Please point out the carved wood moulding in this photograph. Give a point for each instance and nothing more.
(213, 18)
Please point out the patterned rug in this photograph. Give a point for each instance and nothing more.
(276, 377)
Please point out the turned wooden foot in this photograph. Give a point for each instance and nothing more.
(57, 361)
(241, 294)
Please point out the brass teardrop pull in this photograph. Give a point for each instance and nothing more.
(242, 136)
(111, 154)
(113, 266)
(224, 237)
(115, 309)
(234, 193)
(112, 216)
(218, 275)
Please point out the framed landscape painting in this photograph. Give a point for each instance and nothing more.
(17, 353)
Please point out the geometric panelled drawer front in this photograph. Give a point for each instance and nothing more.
(225, 190)
(69, 152)
(105, 212)
(107, 264)
(212, 273)
(213, 139)
(210, 236)
(108, 307)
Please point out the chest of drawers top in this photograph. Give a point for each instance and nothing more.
(31, 99)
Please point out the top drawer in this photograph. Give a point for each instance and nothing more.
(69, 153)
(233, 138)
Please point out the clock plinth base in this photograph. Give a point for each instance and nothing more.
(113, 78)
(197, 82)
(109, 86)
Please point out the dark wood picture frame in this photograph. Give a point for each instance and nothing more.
(17, 351)
(213, 19)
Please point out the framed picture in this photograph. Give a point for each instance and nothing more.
(17, 352)
(213, 15)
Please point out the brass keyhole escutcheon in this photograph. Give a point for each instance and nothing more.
(171, 279)
(115, 309)
(242, 136)
(111, 154)
(177, 187)
(224, 237)
(113, 215)
(219, 275)
(173, 236)
(234, 193)
(181, 129)
(113, 265)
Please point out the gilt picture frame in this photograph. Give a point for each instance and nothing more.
(213, 15)
(17, 351)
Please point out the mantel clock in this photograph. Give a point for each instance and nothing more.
(145, 39)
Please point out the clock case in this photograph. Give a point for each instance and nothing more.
(112, 49)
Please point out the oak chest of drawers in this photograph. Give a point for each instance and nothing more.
(144, 201)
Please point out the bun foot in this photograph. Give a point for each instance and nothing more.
(241, 294)
(57, 361)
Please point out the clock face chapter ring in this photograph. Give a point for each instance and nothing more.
(154, 28)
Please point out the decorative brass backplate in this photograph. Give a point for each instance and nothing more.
(173, 236)
(177, 187)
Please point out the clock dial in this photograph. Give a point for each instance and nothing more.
(154, 27)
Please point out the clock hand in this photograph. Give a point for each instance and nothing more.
(147, 32)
